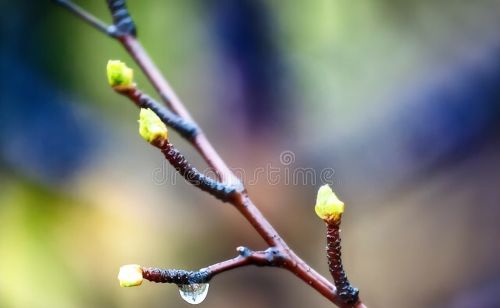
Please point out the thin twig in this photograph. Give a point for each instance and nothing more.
(159, 275)
(186, 129)
(345, 290)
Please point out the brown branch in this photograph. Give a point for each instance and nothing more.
(240, 198)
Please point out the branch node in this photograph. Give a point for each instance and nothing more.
(275, 256)
(244, 251)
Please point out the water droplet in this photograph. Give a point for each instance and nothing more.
(194, 293)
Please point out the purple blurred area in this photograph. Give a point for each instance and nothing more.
(394, 103)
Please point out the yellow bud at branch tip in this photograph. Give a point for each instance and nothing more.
(130, 275)
(120, 76)
(328, 206)
(151, 127)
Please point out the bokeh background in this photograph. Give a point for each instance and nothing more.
(400, 98)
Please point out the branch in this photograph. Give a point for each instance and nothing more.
(270, 257)
(238, 198)
(329, 208)
(132, 275)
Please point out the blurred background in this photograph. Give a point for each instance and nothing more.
(399, 98)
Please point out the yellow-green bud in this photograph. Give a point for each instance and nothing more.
(120, 76)
(328, 206)
(151, 127)
(130, 275)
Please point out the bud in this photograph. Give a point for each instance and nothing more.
(120, 76)
(328, 206)
(130, 275)
(151, 127)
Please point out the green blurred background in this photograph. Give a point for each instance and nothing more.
(400, 98)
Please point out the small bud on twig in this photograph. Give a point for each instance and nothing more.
(130, 275)
(120, 76)
(151, 128)
(330, 209)
(328, 206)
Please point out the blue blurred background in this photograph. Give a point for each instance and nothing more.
(400, 98)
